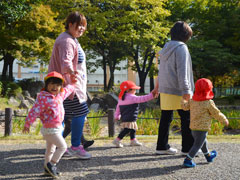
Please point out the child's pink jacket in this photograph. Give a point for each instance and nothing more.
(49, 108)
(131, 99)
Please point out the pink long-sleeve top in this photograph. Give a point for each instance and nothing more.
(127, 109)
(49, 108)
(64, 58)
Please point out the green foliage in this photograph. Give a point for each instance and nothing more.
(208, 55)
(94, 122)
(10, 89)
(1, 87)
(147, 125)
(216, 128)
(18, 124)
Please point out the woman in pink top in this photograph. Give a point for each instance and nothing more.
(49, 108)
(127, 111)
(68, 58)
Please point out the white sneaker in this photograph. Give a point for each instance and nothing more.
(198, 153)
(135, 142)
(170, 151)
(117, 143)
(79, 152)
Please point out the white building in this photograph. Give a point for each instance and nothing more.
(95, 80)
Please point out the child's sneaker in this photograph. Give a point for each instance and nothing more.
(47, 173)
(117, 143)
(189, 163)
(67, 153)
(135, 142)
(79, 152)
(211, 156)
(51, 169)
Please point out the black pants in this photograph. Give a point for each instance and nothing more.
(68, 130)
(125, 131)
(163, 131)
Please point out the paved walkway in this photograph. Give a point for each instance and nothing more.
(24, 161)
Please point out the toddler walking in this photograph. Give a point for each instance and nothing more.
(202, 110)
(127, 111)
(49, 108)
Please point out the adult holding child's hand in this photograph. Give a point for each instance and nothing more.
(68, 58)
(175, 82)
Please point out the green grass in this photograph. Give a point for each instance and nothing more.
(4, 104)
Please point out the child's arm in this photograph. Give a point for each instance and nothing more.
(216, 113)
(185, 105)
(117, 114)
(69, 89)
(141, 99)
(32, 115)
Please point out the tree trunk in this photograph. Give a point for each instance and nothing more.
(111, 81)
(104, 74)
(142, 78)
(8, 67)
(151, 83)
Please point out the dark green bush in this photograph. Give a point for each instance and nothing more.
(10, 89)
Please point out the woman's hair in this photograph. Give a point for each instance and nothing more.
(76, 17)
(181, 31)
(53, 80)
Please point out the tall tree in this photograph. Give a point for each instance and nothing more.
(27, 33)
(216, 43)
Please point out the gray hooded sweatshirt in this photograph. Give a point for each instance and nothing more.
(175, 70)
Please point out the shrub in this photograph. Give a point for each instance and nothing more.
(11, 89)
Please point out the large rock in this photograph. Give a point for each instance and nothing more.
(101, 103)
(12, 101)
(95, 107)
(24, 104)
(30, 100)
(111, 99)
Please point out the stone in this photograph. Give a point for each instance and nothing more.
(13, 101)
(24, 104)
(30, 100)
(95, 107)
(111, 99)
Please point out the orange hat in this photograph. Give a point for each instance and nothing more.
(54, 74)
(126, 85)
(203, 90)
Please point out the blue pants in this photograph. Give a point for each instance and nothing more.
(200, 142)
(77, 130)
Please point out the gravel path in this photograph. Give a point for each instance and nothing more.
(24, 161)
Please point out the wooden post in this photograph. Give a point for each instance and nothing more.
(111, 129)
(8, 122)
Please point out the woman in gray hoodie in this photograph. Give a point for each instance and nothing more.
(175, 81)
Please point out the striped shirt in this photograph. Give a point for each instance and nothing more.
(73, 108)
(81, 53)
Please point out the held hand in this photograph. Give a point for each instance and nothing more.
(26, 130)
(155, 93)
(226, 122)
(186, 97)
(73, 77)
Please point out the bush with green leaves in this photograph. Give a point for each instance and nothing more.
(10, 89)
